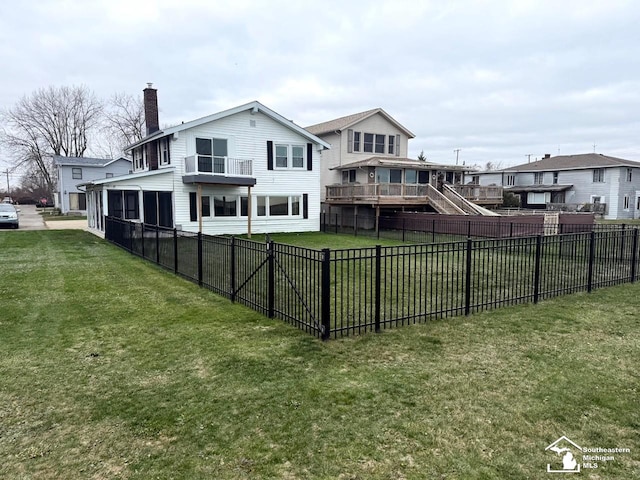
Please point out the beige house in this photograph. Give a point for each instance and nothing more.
(367, 170)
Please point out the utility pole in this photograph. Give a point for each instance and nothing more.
(457, 151)
(594, 147)
(8, 189)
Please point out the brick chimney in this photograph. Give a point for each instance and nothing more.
(151, 109)
(547, 155)
(152, 123)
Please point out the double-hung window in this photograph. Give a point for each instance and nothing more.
(598, 175)
(538, 178)
(368, 142)
(380, 143)
(356, 141)
(164, 152)
(297, 156)
(76, 173)
(282, 156)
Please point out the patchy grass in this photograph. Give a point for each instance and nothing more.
(112, 368)
(53, 217)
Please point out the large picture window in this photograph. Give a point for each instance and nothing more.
(225, 206)
(278, 206)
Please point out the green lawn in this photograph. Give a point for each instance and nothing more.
(112, 368)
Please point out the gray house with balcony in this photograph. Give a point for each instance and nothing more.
(71, 171)
(246, 169)
(589, 182)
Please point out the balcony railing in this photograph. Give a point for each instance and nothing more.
(235, 167)
(477, 193)
(372, 191)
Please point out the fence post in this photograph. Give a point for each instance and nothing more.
(622, 242)
(336, 223)
(378, 284)
(355, 224)
(634, 256)
(200, 258)
(175, 250)
(271, 280)
(233, 269)
(536, 274)
(142, 236)
(403, 228)
(467, 282)
(131, 230)
(510, 229)
(325, 288)
(469, 228)
(592, 254)
(158, 244)
(433, 230)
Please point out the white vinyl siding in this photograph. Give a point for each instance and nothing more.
(245, 142)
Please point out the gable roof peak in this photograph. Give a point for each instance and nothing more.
(342, 123)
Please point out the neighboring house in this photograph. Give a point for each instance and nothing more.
(71, 171)
(243, 170)
(367, 170)
(586, 182)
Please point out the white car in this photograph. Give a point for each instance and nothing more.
(9, 215)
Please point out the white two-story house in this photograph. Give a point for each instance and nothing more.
(71, 171)
(243, 170)
(589, 182)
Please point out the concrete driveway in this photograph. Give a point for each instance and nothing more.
(30, 219)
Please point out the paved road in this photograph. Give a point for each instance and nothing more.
(30, 219)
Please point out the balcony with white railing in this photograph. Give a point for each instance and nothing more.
(223, 166)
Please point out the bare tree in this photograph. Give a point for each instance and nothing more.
(491, 166)
(51, 121)
(124, 121)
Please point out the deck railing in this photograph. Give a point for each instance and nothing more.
(356, 191)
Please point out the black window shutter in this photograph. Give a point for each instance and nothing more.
(269, 155)
(309, 156)
(305, 205)
(193, 206)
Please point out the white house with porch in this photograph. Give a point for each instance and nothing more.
(243, 170)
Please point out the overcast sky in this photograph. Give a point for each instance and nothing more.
(496, 79)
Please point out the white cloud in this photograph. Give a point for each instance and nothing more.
(497, 79)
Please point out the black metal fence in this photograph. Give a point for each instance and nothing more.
(333, 293)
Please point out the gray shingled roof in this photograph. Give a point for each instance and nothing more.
(85, 161)
(573, 162)
(349, 120)
(398, 162)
